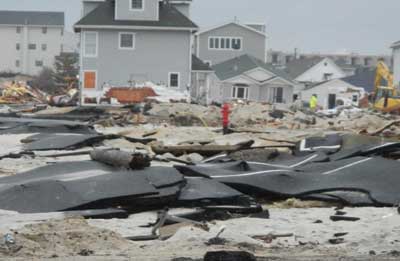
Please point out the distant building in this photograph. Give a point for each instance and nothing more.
(30, 40)
(248, 78)
(348, 62)
(233, 39)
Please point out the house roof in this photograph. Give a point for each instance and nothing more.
(395, 44)
(364, 78)
(199, 65)
(239, 65)
(297, 67)
(232, 22)
(104, 16)
(32, 18)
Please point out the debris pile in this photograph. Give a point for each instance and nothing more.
(20, 93)
(183, 181)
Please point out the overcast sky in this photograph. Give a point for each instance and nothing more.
(325, 26)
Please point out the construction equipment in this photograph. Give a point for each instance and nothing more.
(385, 97)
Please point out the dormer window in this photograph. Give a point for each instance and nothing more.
(137, 5)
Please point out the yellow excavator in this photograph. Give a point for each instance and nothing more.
(386, 98)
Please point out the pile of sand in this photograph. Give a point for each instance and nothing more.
(63, 238)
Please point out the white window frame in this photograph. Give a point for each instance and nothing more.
(136, 9)
(84, 44)
(83, 82)
(235, 92)
(179, 79)
(133, 41)
(230, 38)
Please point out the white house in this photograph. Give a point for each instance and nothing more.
(30, 40)
(334, 93)
(396, 62)
(248, 78)
(310, 71)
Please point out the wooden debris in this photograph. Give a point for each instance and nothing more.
(121, 159)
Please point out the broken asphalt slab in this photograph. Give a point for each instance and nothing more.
(376, 177)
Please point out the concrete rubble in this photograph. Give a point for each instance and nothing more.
(285, 183)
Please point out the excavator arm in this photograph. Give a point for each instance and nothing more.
(383, 72)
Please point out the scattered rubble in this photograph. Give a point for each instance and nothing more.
(270, 184)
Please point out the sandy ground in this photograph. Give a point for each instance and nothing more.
(308, 234)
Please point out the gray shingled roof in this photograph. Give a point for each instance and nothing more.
(297, 67)
(245, 63)
(103, 15)
(31, 18)
(199, 65)
(364, 78)
(396, 44)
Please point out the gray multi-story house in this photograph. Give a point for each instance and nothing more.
(126, 42)
(230, 40)
(30, 40)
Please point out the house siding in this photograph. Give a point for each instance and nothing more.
(150, 12)
(253, 44)
(316, 73)
(156, 54)
(337, 87)
(396, 65)
(257, 93)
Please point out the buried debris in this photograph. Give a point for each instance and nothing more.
(229, 256)
(344, 218)
(121, 159)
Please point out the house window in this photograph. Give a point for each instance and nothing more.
(275, 58)
(355, 98)
(18, 29)
(44, 47)
(277, 95)
(137, 5)
(240, 92)
(174, 80)
(127, 41)
(236, 44)
(32, 46)
(17, 63)
(44, 30)
(90, 39)
(327, 76)
(225, 43)
(38, 63)
(18, 46)
(89, 79)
